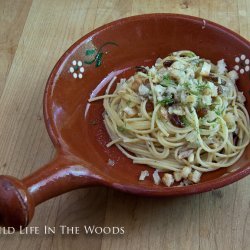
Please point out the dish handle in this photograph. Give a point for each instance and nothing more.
(18, 198)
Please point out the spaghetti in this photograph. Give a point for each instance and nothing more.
(183, 116)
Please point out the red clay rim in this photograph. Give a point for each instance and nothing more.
(173, 191)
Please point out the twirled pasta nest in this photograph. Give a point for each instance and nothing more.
(183, 116)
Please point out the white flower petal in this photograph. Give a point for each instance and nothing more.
(74, 62)
(80, 75)
(242, 71)
(243, 57)
(247, 68)
(79, 63)
(237, 59)
(75, 75)
(247, 61)
(81, 69)
(71, 70)
(236, 67)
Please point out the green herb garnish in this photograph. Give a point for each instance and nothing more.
(218, 112)
(185, 121)
(187, 85)
(199, 87)
(190, 54)
(166, 101)
(121, 129)
(128, 102)
(167, 81)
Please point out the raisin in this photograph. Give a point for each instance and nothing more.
(235, 139)
(149, 106)
(141, 69)
(167, 64)
(220, 90)
(176, 120)
(211, 78)
(201, 112)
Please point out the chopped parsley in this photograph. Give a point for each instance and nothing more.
(166, 101)
(187, 85)
(185, 121)
(190, 54)
(167, 81)
(121, 129)
(128, 102)
(218, 111)
(199, 88)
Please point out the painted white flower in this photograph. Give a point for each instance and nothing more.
(76, 69)
(242, 64)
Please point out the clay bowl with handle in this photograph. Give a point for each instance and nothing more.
(76, 126)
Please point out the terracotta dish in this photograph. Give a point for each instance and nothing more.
(76, 127)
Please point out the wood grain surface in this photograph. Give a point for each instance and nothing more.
(33, 35)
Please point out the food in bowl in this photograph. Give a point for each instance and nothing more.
(183, 116)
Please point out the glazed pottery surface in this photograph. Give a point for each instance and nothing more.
(76, 126)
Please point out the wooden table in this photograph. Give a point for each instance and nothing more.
(33, 35)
